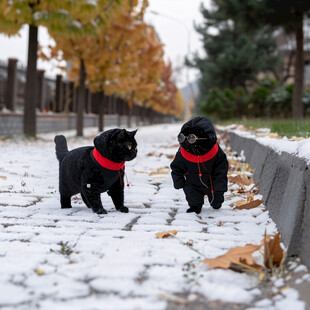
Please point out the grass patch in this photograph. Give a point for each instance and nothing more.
(285, 127)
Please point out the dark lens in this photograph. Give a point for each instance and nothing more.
(191, 138)
(181, 138)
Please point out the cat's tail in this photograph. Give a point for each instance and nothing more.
(61, 147)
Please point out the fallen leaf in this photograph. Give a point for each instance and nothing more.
(273, 135)
(170, 156)
(169, 146)
(163, 170)
(136, 171)
(166, 234)
(3, 177)
(239, 256)
(240, 179)
(39, 272)
(238, 203)
(250, 197)
(273, 253)
(247, 168)
(219, 224)
(234, 165)
(249, 205)
(71, 262)
(284, 288)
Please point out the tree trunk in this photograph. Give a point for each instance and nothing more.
(297, 104)
(30, 127)
(81, 100)
(129, 117)
(101, 102)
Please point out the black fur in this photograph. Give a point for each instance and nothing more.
(185, 174)
(79, 172)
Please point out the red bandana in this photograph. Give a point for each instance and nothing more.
(200, 159)
(106, 163)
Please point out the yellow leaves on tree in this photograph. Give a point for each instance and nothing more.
(125, 58)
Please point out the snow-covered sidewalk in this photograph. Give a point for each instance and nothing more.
(74, 259)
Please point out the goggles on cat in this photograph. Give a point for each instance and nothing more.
(191, 138)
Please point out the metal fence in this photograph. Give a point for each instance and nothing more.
(60, 96)
(3, 82)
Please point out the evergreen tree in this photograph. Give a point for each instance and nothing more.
(234, 55)
(288, 14)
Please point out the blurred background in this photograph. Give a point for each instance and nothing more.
(102, 62)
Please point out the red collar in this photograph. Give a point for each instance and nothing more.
(106, 163)
(200, 159)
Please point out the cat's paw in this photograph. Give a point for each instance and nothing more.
(100, 211)
(122, 209)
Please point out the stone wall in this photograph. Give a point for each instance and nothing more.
(284, 182)
(12, 123)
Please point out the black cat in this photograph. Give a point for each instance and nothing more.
(93, 170)
(200, 166)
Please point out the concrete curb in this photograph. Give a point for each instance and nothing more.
(284, 182)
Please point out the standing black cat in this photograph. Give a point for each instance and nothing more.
(93, 170)
(200, 166)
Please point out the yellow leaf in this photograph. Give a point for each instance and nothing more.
(3, 177)
(39, 272)
(166, 234)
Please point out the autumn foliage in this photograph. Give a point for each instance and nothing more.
(125, 58)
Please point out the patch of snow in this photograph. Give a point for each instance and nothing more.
(116, 260)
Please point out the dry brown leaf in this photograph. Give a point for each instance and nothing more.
(3, 177)
(234, 165)
(250, 197)
(170, 156)
(39, 272)
(136, 171)
(240, 179)
(163, 170)
(273, 253)
(169, 146)
(220, 224)
(241, 190)
(239, 256)
(151, 154)
(166, 234)
(273, 135)
(249, 205)
(284, 288)
(238, 203)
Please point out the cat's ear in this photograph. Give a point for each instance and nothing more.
(99, 142)
(132, 133)
(122, 135)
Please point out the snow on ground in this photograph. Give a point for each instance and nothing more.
(300, 148)
(116, 260)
